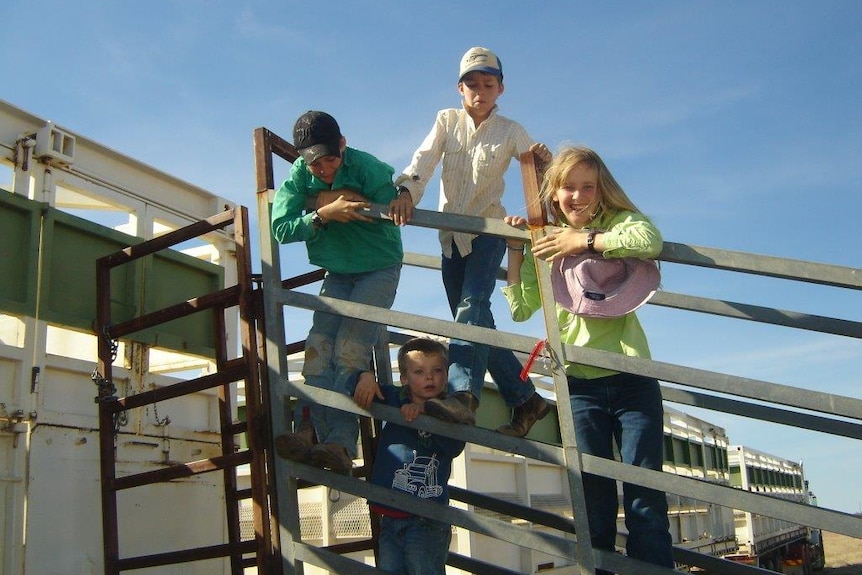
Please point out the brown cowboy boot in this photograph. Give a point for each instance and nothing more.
(297, 446)
(525, 415)
(459, 407)
(331, 456)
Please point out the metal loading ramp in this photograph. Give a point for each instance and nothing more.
(513, 521)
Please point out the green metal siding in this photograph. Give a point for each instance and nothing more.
(68, 288)
(19, 247)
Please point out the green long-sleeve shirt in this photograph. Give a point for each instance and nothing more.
(351, 247)
(628, 234)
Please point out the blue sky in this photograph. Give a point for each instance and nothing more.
(735, 125)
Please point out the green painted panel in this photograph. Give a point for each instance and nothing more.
(19, 248)
(173, 278)
(493, 412)
(71, 246)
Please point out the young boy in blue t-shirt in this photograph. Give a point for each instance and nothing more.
(412, 461)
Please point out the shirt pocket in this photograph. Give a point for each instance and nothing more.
(454, 145)
(486, 158)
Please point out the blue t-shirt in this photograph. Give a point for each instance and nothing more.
(411, 460)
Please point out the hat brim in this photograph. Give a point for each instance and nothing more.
(641, 282)
(486, 69)
(317, 151)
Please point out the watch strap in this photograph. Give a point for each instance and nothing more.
(317, 221)
(591, 241)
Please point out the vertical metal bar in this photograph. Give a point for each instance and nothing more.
(572, 455)
(227, 442)
(256, 433)
(107, 463)
(284, 486)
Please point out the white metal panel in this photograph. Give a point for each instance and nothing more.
(119, 178)
(194, 413)
(10, 392)
(14, 412)
(546, 479)
(11, 502)
(500, 553)
(499, 474)
(64, 527)
(67, 393)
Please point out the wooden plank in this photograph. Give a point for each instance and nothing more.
(537, 217)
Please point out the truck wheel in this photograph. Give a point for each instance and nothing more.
(770, 563)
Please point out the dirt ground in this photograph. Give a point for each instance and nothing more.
(843, 554)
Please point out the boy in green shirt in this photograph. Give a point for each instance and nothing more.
(362, 258)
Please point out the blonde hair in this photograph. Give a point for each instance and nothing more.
(423, 345)
(610, 195)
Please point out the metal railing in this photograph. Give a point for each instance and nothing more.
(751, 398)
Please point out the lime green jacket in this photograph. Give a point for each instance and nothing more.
(628, 234)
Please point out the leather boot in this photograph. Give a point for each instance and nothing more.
(296, 446)
(525, 415)
(331, 456)
(459, 407)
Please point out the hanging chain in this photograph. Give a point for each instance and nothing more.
(106, 388)
(159, 422)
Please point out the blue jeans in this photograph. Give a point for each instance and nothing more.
(338, 346)
(625, 408)
(469, 281)
(413, 546)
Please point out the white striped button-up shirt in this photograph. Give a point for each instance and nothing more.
(474, 162)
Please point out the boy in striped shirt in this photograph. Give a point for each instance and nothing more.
(476, 146)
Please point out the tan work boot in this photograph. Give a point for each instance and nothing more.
(460, 407)
(296, 446)
(525, 415)
(331, 456)
(293, 446)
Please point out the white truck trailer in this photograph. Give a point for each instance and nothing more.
(766, 542)
(697, 448)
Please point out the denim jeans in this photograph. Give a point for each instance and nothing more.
(338, 346)
(625, 408)
(413, 546)
(469, 281)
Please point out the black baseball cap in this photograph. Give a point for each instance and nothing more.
(316, 134)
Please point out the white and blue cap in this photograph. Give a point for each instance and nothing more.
(480, 59)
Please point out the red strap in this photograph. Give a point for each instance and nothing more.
(389, 512)
(537, 349)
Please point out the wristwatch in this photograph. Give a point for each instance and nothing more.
(402, 190)
(317, 221)
(591, 241)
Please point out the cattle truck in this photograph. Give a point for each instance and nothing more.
(774, 544)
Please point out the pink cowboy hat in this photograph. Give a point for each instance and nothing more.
(592, 286)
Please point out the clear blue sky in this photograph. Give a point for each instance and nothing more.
(735, 125)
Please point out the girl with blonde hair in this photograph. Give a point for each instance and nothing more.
(596, 228)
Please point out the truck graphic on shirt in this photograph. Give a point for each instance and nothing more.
(419, 477)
